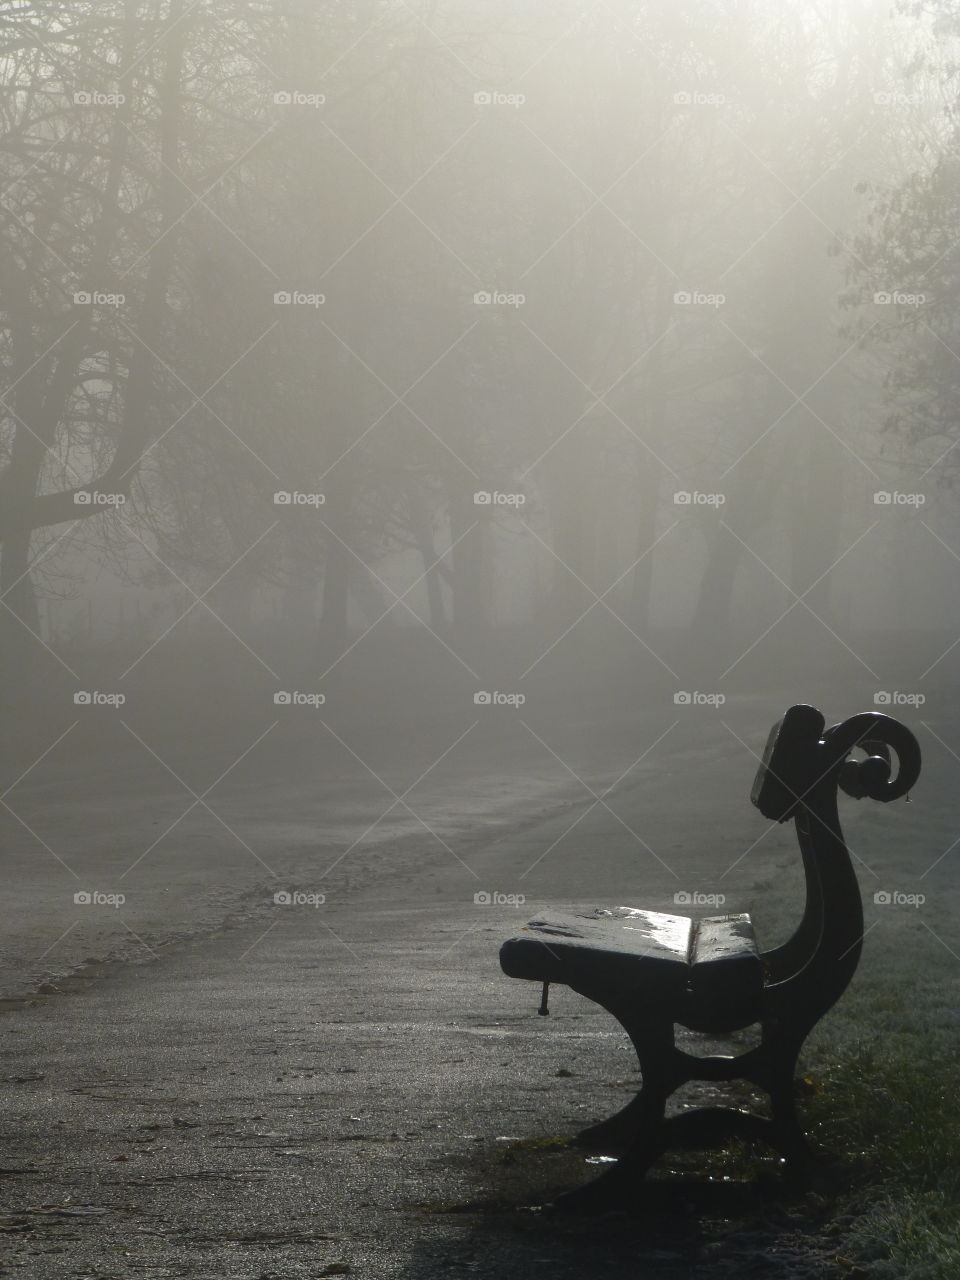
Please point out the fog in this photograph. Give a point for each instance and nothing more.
(421, 418)
(377, 375)
(317, 316)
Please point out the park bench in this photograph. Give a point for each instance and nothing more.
(654, 970)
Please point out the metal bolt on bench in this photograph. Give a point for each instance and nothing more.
(652, 970)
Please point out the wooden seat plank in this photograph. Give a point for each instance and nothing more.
(726, 973)
(625, 947)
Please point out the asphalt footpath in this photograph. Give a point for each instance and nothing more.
(352, 1088)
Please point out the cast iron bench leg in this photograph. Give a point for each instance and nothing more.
(621, 1186)
(643, 1113)
(640, 1134)
(787, 1134)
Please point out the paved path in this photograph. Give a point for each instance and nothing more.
(350, 1089)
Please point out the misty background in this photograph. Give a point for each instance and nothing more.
(451, 402)
(437, 441)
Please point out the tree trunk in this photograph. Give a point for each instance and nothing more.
(650, 470)
(466, 533)
(571, 482)
(335, 599)
(423, 535)
(749, 502)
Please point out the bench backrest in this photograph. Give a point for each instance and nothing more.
(803, 765)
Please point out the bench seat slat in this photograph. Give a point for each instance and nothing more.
(709, 970)
(625, 948)
(723, 938)
(726, 973)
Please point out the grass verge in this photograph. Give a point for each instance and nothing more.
(887, 1103)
